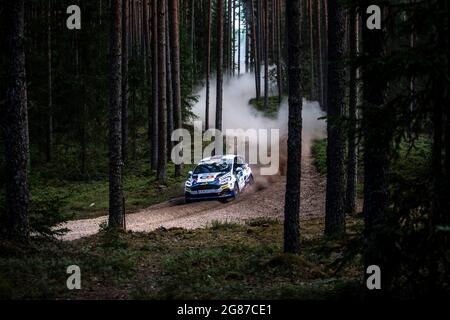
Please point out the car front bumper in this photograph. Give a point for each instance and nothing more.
(212, 194)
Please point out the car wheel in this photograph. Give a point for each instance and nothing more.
(236, 190)
(187, 200)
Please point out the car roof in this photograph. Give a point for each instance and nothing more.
(218, 158)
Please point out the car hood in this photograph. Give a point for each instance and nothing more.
(208, 177)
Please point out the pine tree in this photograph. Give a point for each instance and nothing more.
(219, 64)
(208, 66)
(15, 125)
(162, 97)
(176, 72)
(292, 197)
(116, 214)
(335, 194)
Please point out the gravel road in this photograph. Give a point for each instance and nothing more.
(264, 199)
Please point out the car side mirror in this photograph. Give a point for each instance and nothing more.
(239, 169)
(190, 173)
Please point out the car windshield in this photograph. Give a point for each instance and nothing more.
(212, 168)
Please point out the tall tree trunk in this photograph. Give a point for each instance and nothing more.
(116, 214)
(325, 54)
(266, 55)
(125, 86)
(229, 37)
(320, 49)
(335, 193)
(155, 91)
(443, 41)
(292, 197)
(169, 91)
(219, 64)
(192, 39)
(248, 65)
(233, 39)
(255, 52)
(82, 118)
(239, 39)
(352, 157)
(147, 13)
(176, 72)
(278, 37)
(15, 125)
(162, 98)
(377, 123)
(49, 149)
(208, 67)
(311, 49)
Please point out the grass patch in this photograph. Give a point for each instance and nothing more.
(409, 169)
(319, 153)
(225, 261)
(88, 199)
(271, 111)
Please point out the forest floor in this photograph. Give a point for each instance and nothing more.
(223, 261)
(203, 250)
(263, 200)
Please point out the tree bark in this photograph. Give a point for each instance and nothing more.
(278, 37)
(239, 39)
(162, 98)
(15, 125)
(311, 49)
(320, 49)
(149, 71)
(229, 37)
(292, 197)
(49, 149)
(155, 91)
(335, 193)
(352, 156)
(219, 64)
(377, 123)
(116, 214)
(169, 90)
(255, 53)
(125, 86)
(208, 67)
(266, 55)
(176, 72)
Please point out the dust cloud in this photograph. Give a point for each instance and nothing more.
(238, 114)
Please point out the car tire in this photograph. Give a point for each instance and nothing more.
(187, 200)
(236, 190)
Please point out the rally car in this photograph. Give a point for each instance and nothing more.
(219, 177)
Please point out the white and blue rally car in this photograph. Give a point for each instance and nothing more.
(218, 177)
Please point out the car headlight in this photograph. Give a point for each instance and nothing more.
(225, 180)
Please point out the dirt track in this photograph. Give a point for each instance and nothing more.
(264, 199)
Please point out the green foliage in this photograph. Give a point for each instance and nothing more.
(46, 215)
(319, 153)
(272, 111)
(88, 199)
(414, 253)
(220, 225)
(409, 175)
